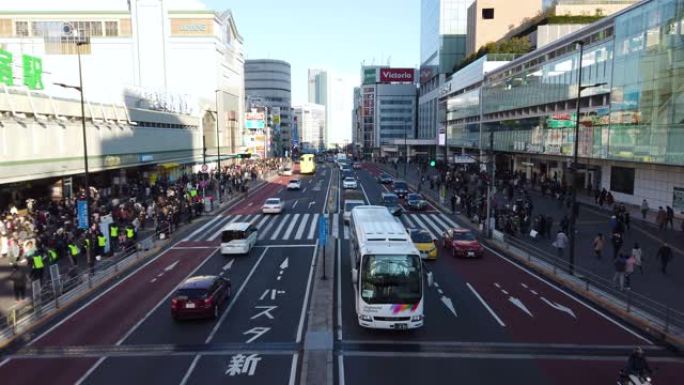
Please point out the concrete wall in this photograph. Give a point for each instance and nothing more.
(507, 15)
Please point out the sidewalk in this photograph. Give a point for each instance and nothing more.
(665, 289)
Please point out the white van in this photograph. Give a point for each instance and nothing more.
(238, 238)
(348, 206)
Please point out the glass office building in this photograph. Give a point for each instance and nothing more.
(631, 136)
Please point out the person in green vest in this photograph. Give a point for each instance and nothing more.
(101, 243)
(113, 236)
(74, 252)
(53, 257)
(130, 234)
(37, 266)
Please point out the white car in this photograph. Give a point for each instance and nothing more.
(272, 206)
(348, 206)
(294, 184)
(349, 182)
(286, 171)
(238, 238)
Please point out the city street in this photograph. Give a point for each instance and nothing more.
(126, 333)
(480, 314)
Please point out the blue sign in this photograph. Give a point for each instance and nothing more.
(323, 230)
(82, 207)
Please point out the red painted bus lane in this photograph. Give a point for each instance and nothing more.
(106, 320)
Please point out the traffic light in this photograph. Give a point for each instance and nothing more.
(432, 163)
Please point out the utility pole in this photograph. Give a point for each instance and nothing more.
(218, 150)
(406, 127)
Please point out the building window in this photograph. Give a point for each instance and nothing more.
(111, 28)
(95, 28)
(487, 13)
(622, 180)
(22, 28)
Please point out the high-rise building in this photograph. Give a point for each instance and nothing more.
(443, 27)
(311, 126)
(333, 91)
(268, 84)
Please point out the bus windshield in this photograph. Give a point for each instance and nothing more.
(391, 279)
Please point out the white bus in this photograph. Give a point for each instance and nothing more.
(387, 272)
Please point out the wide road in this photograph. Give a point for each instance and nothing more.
(487, 321)
(125, 334)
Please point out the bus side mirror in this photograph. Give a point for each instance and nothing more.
(430, 279)
(355, 276)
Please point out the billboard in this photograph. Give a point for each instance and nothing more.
(370, 75)
(404, 75)
(255, 119)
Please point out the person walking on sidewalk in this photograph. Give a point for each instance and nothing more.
(665, 255)
(18, 279)
(630, 262)
(617, 244)
(599, 243)
(661, 218)
(638, 255)
(670, 217)
(620, 265)
(560, 243)
(644, 208)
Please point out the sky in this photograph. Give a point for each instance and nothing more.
(333, 35)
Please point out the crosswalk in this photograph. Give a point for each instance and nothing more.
(303, 227)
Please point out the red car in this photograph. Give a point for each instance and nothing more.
(200, 297)
(462, 242)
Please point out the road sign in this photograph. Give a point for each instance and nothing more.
(82, 207)
(323, 230)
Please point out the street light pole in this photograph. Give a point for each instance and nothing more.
(218, 150)
(83, 128)
(406, 128)
(575, 161)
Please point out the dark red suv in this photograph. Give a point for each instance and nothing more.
(462, 243)
(200, 297)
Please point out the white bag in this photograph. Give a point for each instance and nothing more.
(533, 233)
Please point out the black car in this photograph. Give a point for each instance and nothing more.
(391, 201)
(400, 188)
(385, 179)
(416, 201)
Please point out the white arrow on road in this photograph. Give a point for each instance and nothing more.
(285, 264)
(450, 305)
(228, 265)
(520, 305)
(170, 267)
(311, 203)
(559, 307)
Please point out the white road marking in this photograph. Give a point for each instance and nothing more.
(257, 331)
(302, 226)
(310, 204)
(450, 221)
(496, 317)
(520, 305)
(194, 247)
(285, 264)
(271, 222)
(336, 226)
(293, 370)
(291, 227)
(559, 307)
(339, 291)
(265, 313)
(534, 292)
(250, 204)
(408, 223)
(428, 220)
(295, 204)
(420, 224)
(346, 232)
(283, 221)
(340, 369)
(305, 304)
(438, 219)
(314, 223)
(263, 220)
(440, 291)
(304, 190)
(210, 223)
(228, 265)
(191, 368)
(449, 304)
(570, 296)
(234, 299)
(523, 285)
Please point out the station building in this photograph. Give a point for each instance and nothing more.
(155, 74)
(631, 134)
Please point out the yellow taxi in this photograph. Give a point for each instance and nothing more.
(424, 243)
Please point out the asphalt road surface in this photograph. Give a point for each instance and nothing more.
(488, 321)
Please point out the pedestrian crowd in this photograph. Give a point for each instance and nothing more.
(45, 231)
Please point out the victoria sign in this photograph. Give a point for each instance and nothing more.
(389, 75)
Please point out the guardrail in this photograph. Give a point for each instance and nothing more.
(657, 316)
(60, 289)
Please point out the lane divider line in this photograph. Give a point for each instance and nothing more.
(476, 294)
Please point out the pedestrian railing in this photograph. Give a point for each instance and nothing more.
(60, 288)
(660, 317)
